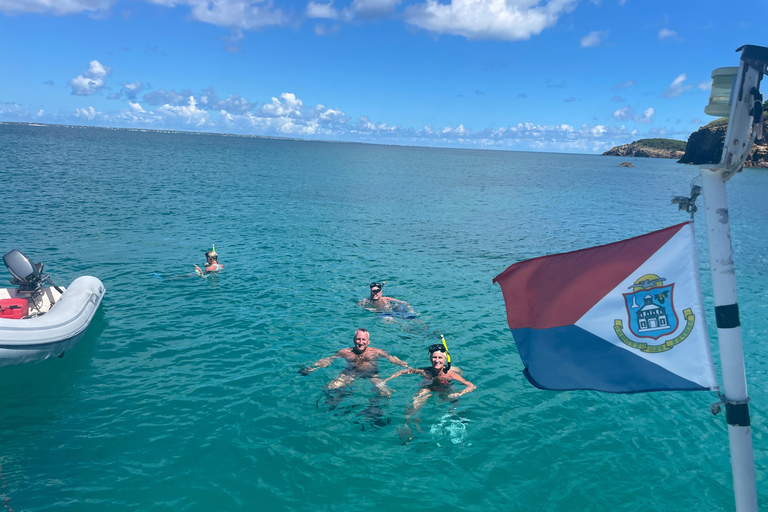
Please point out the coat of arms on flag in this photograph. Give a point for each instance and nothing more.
(624, 317)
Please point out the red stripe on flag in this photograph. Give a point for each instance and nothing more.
(556, 290)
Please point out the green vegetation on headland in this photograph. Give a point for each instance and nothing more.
(671, 144)
(720, 121)
(650, 148)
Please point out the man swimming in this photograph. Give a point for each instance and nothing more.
(361, 362)
(386, 305)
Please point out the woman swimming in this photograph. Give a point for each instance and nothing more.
(437, 378)
(212, 263)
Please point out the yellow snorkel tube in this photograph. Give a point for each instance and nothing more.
(447, 366)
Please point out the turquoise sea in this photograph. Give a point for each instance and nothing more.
(185, 393)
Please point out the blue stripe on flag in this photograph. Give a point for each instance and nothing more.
(568, 358)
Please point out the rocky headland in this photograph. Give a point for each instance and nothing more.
(705, 146)
(650, 148)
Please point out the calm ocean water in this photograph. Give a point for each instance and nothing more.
(184, 394)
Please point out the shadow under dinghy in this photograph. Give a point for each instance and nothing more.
(37, 321)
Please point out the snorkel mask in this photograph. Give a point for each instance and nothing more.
(377, 286)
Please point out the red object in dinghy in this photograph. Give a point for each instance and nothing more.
(14, 308)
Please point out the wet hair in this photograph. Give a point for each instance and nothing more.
(361, 330)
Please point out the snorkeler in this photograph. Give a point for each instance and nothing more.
(386, 305)
(361, 362)
(212, 262)
(437, 378)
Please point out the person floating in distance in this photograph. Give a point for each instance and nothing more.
(386, 306)
(211, 263)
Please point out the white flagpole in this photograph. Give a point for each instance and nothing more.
(743, 125)
(729, 338)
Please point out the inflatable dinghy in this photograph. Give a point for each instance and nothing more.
(38, 321)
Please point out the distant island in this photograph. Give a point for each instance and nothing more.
(650, 148)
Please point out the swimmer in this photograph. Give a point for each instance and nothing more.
(386, 305)
(212, 263)
(361, 363)
(437, 378)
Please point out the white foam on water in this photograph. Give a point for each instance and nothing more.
(449, 427)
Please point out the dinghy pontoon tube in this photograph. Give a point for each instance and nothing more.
(56, 318)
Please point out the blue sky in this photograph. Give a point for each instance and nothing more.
(558, 75)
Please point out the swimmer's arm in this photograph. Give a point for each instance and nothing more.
(469, 387)
(400, 303)
(401, 372)
(392, 359)
(198, 270)
(321, 363)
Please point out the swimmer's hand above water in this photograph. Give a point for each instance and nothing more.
(384, 389)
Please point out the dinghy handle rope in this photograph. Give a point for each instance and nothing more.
(688, 203)
(736, 412)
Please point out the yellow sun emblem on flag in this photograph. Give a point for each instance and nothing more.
(647, 281)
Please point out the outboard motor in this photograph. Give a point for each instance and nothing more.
(27, 276)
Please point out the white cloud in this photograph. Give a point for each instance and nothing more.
(624, 113)
(594, 38)
(506, 20)
(238, 14)
(290, 105)
(13, 111)
(374, 9)
(91, 81)
(135, 107)
(677, 87)
(666, 33)
(88, 113)
(162, 97)
(647, 116)
(129, 91)
(323, 11)
(187, 115)
(56, 7)
(705, 85)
